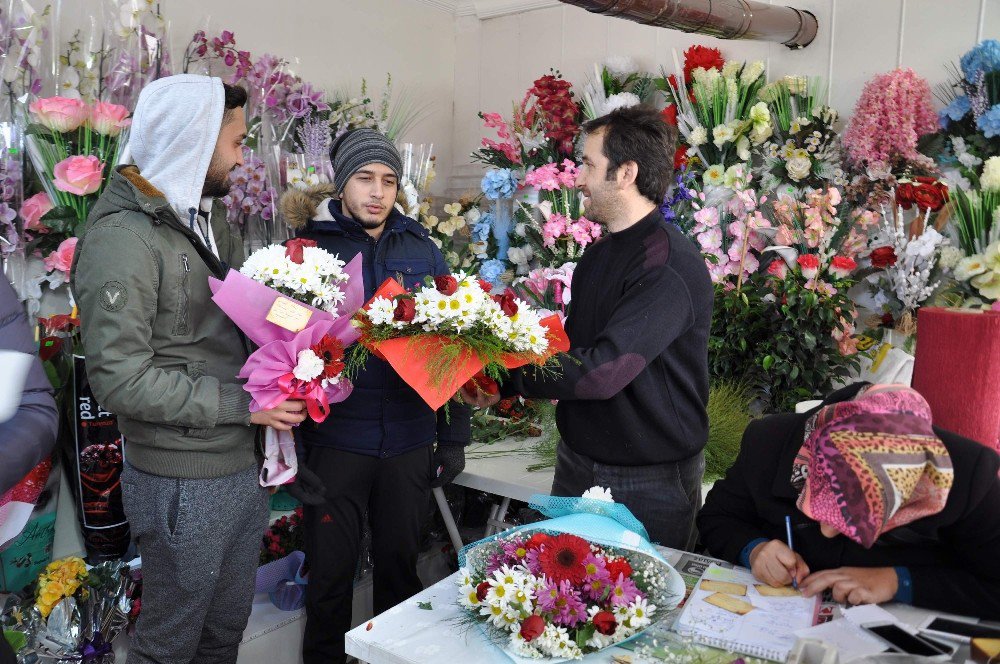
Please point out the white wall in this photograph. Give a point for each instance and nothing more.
(334, 43)
(498, 58)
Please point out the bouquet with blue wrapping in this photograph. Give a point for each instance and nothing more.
(582, 581)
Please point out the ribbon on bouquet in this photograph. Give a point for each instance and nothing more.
(317, 402)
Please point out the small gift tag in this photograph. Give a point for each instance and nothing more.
(289, 314)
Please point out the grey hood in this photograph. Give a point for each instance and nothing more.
(175, 127)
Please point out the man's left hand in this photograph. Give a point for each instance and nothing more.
(451, 460)
(478, 397)
(854, 585)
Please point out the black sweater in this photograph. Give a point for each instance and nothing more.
(634, 388)
(951, 556)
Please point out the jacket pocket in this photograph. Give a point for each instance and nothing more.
(196, 370)
(183, 296)
(408, 271)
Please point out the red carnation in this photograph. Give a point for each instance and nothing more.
(617, 567)
(904, 195)
(842, 266)
(293, 249)
(562, 558)
(507, 303)
(406, 309)
(701, 56)
(485, 285)
(532, 627)
(605, 623)
(883, 257)
(481, 590)
(446, 284)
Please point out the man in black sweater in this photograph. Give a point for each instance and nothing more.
(634, 388)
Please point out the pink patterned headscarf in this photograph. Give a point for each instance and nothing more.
(873, 464)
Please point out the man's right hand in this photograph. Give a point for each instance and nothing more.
(777, 565)
(282, 417)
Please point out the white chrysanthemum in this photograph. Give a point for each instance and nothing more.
(381, 311)
(698, 136)
(468, 598)
(620, 65)
(522, 648)
(598, 493)
(493, 613)
(308, 366)
(638, 615)
(621, 100)
(949, 257)
(990, 179)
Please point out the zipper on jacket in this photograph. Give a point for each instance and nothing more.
(184, 260)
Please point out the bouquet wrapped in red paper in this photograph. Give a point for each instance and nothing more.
(451, 331)
(296, 303)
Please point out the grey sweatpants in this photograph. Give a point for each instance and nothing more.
(200, 545)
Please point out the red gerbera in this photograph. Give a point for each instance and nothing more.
(331, 351)
(562, 558)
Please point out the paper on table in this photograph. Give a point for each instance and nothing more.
(868, 613)
(16, 365)
(849, 639)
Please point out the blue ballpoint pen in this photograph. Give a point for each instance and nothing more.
(788, 531)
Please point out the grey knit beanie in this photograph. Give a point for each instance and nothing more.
(358, 148)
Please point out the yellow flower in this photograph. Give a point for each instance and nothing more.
(453, 209)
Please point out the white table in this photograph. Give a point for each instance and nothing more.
(411, 634)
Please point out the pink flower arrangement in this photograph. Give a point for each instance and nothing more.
(62, 258)
(79, 175)
(508, 144)
(552, 176)
(548, 287)
(729, 236)
(59, 113)
(33, 210)
(894, 111)
(557, 227)
(109, 119)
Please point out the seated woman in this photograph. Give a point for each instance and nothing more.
(884, 507)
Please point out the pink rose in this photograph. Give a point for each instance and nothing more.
(778, 269)
(109, 119)
(62, 258)
(33, 210)
(59, 113)
(809, 265)
(79, 175)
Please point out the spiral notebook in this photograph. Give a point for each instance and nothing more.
(730, 609)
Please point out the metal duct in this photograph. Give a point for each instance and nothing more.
(725, 19)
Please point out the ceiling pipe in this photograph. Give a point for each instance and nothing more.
(725, 19)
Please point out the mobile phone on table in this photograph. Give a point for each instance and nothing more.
(960, 630)
(902, 641)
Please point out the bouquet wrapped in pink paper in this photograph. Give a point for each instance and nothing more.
(295, 302)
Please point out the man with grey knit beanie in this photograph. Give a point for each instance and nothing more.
(375, 453)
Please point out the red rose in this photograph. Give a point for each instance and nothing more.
(293, 249)
(507, 303)
(669, 114)
(887, 320)
(605, 623)
(49, 347)
(532, 627)
(883, 257)
(536, 540)
(481, 590)
(406, 309)
(618, 567)
(485, 285)
(701, 56)
(446, 284)
(929, 194)
(904, 195)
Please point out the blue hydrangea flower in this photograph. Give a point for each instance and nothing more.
(954, 111)
(989, 122)
(491, 270)
(985, 57)
(499, 183)
(481, 231)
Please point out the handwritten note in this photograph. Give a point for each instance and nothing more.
(289, 314)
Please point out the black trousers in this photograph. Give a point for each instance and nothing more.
(395, 492)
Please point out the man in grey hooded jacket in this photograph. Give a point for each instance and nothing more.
(164, 358)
